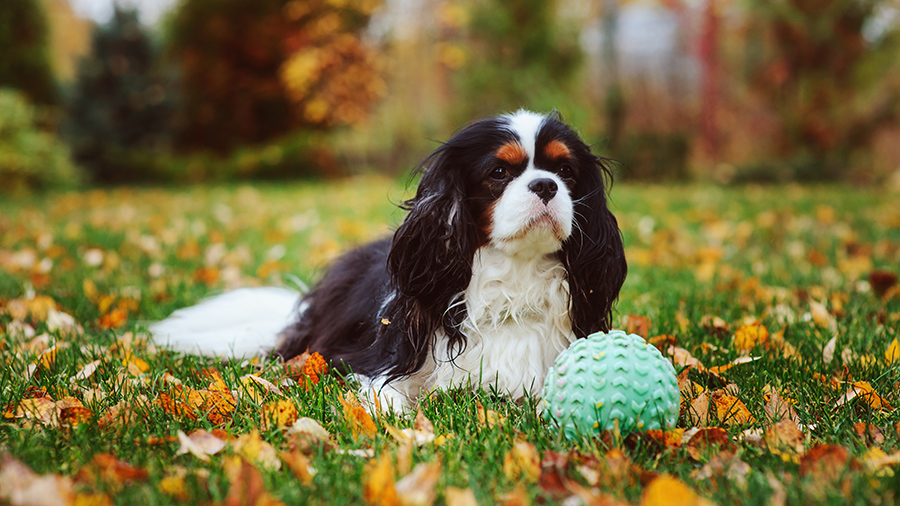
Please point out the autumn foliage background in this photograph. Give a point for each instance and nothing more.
(757, 195)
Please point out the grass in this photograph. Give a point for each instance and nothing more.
(117, 259)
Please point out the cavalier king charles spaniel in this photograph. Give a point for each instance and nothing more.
(508, 254)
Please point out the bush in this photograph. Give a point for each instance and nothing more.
(31, 158)
(25, 50)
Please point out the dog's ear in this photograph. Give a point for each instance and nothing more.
(430, 264)
(593, 254)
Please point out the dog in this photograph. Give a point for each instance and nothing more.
(508, 253)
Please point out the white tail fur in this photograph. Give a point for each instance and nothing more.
(240, 323)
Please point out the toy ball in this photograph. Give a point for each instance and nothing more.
(611, 380)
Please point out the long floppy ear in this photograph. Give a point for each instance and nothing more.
(593, 254)
(430, 264)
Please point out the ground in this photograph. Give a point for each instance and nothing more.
(778, 306)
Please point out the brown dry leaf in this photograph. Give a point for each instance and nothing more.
(516, 497)
(636, 324)
(75, 415)
(360, 421)
(730, 410)
(683, 358)
(870, 434)
(20, 486)
(719, 369)
(253, 449)
(698, 411)
(707, 442)
(112, 471)
(592, 497)
(715, 325)
(311, 428)
(280, 413)
(666, 490)
(785, 440)
(828, 350)
(418, 487)
(246, 486)
(454, 496)
(522, 461)
(778, 409)
(553, 474)
(215, 402)
(488, 417)
(200, 444)
(824, 462)
(821, 316)
(749, 336)
(378, 482)
(725, 465)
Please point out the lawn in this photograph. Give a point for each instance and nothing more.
(778, 306)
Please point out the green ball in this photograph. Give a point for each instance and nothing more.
(611, 379)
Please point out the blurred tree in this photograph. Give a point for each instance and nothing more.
(121, 102)
(70, 38)
(831, 84)
(24, 50)
(31, 157)
(252, 71)
(517, 54)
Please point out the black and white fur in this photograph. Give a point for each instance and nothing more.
(508, 254)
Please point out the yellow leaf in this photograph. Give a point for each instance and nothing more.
(749, 336)
(488, 417)
(785, 440)
(280, 413)
(522, 460)
(893, 352)
(252, 448)
(669, 491)
(378, 482)
(460, 497)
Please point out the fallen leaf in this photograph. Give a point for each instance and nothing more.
(784, 439)
(824, 462)
(864, 391)
(246, 486)
(828, 350)
(698, 410)
(360, 421)
(892, 354)
(200, 444)
(378, 482)
(488, 417)
(748, 337)
(253, 449)
(299, 465)
(707, 442)
(730, 410)
(870, 434)
(636, 324)
(312, 429)
(418, 487)
(454, 496)
(280, 413)
(522, 461)
(666, 490)
(777, 409)
(821, 316)
(256, 388)
(112, 471)
(20, 486)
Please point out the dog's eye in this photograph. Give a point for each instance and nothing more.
(566, 172)
(499, 173)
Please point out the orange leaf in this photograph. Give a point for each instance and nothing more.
(359, 420)
(730, 410)
(708, 442)
(110, 470)
(785, 440)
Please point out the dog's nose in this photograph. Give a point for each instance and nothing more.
(545, 188)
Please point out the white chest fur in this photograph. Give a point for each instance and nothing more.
(518, 322)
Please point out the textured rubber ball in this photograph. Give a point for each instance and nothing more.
(610, 379)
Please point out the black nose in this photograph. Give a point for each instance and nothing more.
(545, 188)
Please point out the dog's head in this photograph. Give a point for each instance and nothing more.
(525, 184)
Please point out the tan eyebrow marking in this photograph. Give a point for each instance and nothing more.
(512, 152)
(556, 149)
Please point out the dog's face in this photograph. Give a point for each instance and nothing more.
(525, 184)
